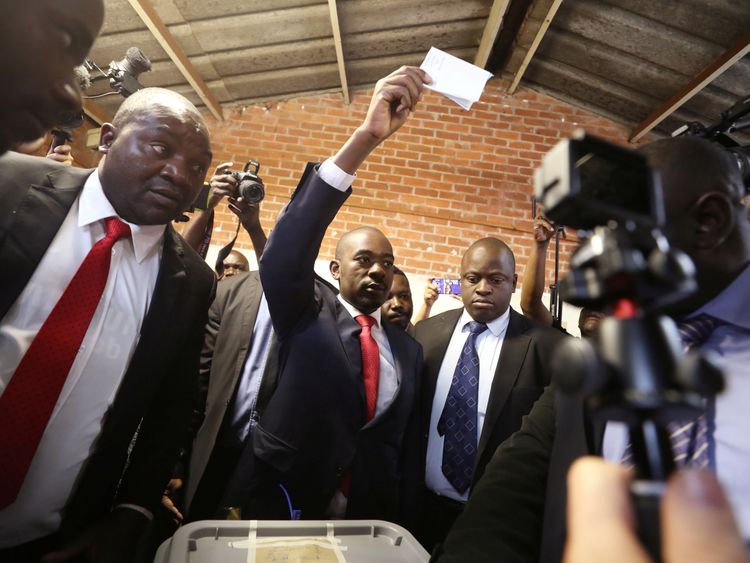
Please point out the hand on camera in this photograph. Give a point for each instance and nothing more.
(61, 154)
(222, 185)
(544, 229)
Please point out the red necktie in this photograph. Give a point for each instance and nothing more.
(370, 363)
(370, 375)
(31, 395)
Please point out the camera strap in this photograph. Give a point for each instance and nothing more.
(224, 252)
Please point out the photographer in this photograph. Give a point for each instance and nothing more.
(518, 510)
(198, 231)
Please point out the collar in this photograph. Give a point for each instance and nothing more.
(497, 326)
(731, 304)
(93, 206)
(354, 312)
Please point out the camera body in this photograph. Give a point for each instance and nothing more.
(250, 186)
(584, 182)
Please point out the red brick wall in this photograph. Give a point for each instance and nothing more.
(447, 178)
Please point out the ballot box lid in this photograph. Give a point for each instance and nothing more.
(267, 541)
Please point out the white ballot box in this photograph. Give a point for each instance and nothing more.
(267, 541)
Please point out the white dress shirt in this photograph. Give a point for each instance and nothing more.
(488, 345)
(389, 381)
(96, 373)
(727, 414)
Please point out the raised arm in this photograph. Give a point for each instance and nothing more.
(286, 267)
(532, 287)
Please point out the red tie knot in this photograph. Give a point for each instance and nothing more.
(116, 229)
(365, 321)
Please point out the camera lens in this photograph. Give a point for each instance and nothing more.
(251, 190)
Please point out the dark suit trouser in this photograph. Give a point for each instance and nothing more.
(31, 552)
(207, 502)
(439, 515)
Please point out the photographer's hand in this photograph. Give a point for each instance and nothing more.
(697, 521)
(249, 215)
(222, 185)
(429, 298)
(62, 154)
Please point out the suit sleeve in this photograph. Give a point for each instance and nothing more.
(287, 265)
(503, 518)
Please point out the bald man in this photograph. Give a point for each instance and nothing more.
(484, 366)
(40, 43)
(518, 510)
(235, 263)
(339, 438)
(102, 310)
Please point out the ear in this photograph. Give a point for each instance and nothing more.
(713, 214)
(107, 136)
(335, 268)
(515, 282)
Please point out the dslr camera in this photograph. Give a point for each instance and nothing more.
(250, 186)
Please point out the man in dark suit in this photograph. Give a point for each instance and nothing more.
(238, 375)
(518, 511)
(40, 43)
(339, 436)
(484, 366)
(127, 383)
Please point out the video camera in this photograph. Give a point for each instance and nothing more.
(123, 79)
(632, 370)
(730, 121)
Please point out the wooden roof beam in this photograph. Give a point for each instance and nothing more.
(735, 52)
(339, 49)
(96, 112)
(491, 29)
(175, 51)
(534, 45)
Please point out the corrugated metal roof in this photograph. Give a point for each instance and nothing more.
(619, 58)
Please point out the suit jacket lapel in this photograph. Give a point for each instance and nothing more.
(434, 350)
(399, 353)
(33, 223)
(170, 285)
(515, 345)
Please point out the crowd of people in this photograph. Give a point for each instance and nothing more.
(138, 393)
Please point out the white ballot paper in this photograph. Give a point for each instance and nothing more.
(458, 80)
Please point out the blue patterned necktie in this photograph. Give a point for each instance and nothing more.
(689, 439)
(458, 421)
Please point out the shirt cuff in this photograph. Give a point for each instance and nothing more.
(147, 513)
(332, 175)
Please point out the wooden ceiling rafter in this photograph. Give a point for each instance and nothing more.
(735, 52)
(491, 29)
(177, 54)
(333, 11)
(534, 45)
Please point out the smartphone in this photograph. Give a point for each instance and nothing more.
(448, 286)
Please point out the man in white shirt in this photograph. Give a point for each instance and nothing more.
(109, 440)
(484, 366)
